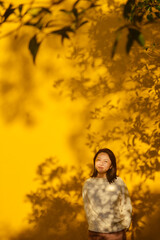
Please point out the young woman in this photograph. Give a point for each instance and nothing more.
(106, 200)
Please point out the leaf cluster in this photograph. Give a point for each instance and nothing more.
(137, 13)
(142, 10)
(43, 20)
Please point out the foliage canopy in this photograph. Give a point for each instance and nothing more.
(44, 18)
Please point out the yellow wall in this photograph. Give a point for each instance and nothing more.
(35, 125)
(38, 121)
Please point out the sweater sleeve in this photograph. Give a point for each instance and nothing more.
(125, 206)
(85, 196)
(84, 191)
(85, 199)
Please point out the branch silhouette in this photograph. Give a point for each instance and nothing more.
(43, 19)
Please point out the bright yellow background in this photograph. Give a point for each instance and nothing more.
(37, 122)
(23, 147)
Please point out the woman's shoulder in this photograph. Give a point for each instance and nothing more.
(88, 180)
(86, 183)
(119, 180)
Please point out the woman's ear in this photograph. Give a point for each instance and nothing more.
(110, 167)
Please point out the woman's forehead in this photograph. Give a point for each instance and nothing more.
(102, 154)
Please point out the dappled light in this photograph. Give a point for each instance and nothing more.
(17, 84)
(146, 207)
(99, 88)
(57, 209)
(96, 206)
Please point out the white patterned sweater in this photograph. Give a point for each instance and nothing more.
(107, 205)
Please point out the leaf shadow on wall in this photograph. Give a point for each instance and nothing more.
(145, 212)
(18, 88)
(57, 208)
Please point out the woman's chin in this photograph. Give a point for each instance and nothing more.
(101, 171)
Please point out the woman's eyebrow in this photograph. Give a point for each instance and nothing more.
(103, 159)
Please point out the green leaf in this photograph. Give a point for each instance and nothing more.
(150, 9)
(129, 44)
(133, 35)
(34, 11)
(150, 17)
(34, 46)
(147, 7)
(37, 10)
(140, 4)
(141, 39)
(157, 7)
(128, 8)
(157, 14)
(131, 18)
(8, 12)
(37, 24)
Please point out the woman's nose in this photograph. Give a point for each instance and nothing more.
(101, 164)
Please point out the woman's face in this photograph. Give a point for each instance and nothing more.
(102, 163)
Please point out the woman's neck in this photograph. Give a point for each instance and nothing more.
(101, 175)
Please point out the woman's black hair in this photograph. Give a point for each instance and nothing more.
(111, 173)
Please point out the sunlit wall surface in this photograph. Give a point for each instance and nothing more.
(57, 113)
